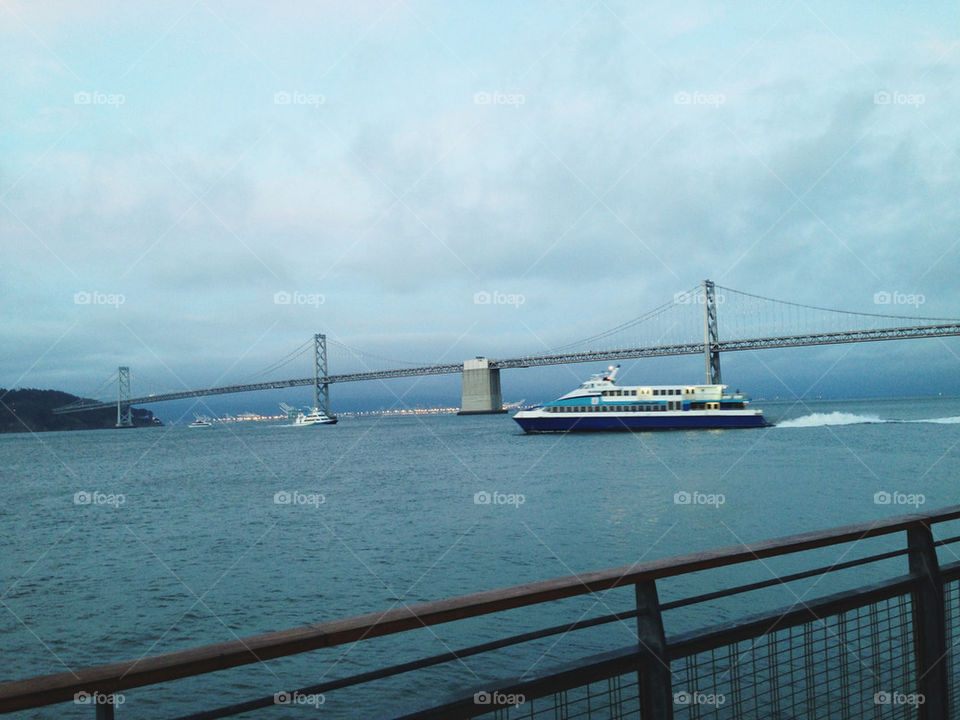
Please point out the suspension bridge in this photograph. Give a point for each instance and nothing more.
(708, 319)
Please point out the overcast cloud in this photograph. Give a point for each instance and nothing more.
(396, 158)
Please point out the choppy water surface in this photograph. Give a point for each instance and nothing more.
(119, 544)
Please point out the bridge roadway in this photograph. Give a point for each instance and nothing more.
(834, 338)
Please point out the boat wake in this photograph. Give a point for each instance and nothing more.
(842, 418)
(834, 418)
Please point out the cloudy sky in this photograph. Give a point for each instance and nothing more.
(167, 168)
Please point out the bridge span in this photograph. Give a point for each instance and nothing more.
(481, 376)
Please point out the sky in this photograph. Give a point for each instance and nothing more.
(170, 172)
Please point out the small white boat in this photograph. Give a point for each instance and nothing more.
(200, 422)
(316, 416)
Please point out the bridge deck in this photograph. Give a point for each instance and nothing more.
(761, 343)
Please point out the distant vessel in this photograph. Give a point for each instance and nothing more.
(316, 416)
(600, 404)
(200, 422)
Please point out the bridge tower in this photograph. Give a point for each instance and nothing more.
(711, 336)
(321, 391)
(124, 418)
(481, 388)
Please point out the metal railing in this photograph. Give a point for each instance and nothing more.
(884, 649)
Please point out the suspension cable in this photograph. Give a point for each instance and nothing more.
(833, 310)
(630, 323)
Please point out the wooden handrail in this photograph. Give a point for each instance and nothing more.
(61, 687)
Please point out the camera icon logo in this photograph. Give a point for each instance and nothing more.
(681, 98)
(282, 497)
(481, 98)
(281, 98)
(281, 298)
(482, 498)
(81, 98)
(682, 498)
(682, 698)
(481, 298)
(281, 698)
(882, 497)
(881, 98)
(82, 498)
(881, 298)
(482, 698)
(81, 298)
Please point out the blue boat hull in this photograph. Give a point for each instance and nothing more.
(602, 424)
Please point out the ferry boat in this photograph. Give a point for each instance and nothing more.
(316, 416)
(200, 422)
(601, 404)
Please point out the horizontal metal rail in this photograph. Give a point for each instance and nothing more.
(624, 660)
(268, 700)
(763, 343)
(61, 687)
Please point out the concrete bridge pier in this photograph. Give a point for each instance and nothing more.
(481, 388)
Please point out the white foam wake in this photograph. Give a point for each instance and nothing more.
(842, 418)
(834, 418)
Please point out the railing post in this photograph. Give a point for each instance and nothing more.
(929, 624)
(104, 709)
(653, 675)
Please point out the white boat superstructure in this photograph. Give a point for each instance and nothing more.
(601, 404)
(315, 416)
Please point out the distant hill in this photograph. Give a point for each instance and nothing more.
(32, 411)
